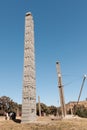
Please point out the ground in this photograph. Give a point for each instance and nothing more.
(45, 123)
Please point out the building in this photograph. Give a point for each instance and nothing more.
(29, 80)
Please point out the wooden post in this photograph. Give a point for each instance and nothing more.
(61, 89)
(39, 106)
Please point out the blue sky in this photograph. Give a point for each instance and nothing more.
(60, 35)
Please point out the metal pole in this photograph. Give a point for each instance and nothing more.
(81, 87)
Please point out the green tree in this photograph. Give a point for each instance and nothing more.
(80, 110)
(44, 109)
(53, 110)
(7, 104)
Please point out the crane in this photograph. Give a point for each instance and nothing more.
(84, 78)
(62, 102)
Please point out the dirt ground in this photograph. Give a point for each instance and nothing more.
(45, 123)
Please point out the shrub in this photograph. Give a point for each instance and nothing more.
(80, 110)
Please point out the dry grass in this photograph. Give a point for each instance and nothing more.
(45, 123)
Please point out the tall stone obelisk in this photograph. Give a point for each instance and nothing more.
(29, 80)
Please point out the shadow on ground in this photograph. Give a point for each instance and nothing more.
(17, 120)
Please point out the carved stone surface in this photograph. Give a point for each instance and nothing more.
(29, 80)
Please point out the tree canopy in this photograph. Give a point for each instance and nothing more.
(8, 105)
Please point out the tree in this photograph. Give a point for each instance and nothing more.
(52, 110)
(80, 110)
(7, 104)
(44, 109)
